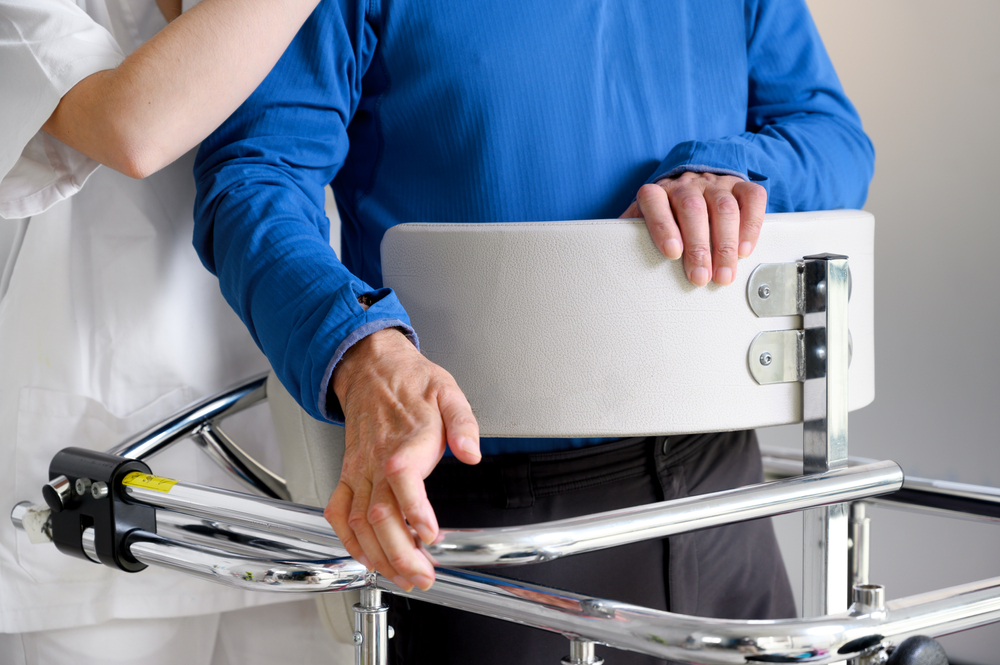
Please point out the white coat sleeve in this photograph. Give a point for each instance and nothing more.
(46, 47)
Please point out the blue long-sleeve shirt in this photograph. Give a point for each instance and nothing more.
(486, 111)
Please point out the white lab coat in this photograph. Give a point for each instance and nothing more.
(108, 322)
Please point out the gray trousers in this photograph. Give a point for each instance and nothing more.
(733, 571)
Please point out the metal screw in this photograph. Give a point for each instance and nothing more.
(764, 291)
(99, 490)
(358, 638)
(390, 631)
(765, 359)
(82, 485)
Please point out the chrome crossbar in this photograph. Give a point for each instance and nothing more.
(676, 637)
(549, 540)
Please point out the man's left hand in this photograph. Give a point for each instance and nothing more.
(711, 220)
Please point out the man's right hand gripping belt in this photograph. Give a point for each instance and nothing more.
(400, 412)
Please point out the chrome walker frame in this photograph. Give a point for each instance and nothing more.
(266, 543)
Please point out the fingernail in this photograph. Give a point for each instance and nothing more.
(745, 249)
(422, 581)
(365, 562)
(467, 445)
(425, 532)
(700, 276)
(724, 276)
(402, 582)
(672, 248)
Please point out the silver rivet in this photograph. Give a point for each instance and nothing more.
(820, 352)
(821, 287)
(765, 359)
(358, 638)
(764, 291)
(390, 631)
(82, 485)
(99, 490)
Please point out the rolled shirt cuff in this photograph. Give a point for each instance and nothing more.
(329, 405)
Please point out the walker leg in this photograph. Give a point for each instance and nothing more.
(824, 432)
(860, 544)
(581, 652)
(870, 599)
(371, 632)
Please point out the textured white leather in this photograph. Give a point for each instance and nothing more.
(583, 329)
(312, 453)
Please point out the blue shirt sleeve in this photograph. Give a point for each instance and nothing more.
(260, 224)
(804, 141)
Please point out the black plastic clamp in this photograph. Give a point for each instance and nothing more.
(85, 490)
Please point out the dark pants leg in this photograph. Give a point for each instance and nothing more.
(727, 572)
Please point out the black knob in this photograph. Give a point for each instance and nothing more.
(918, 650)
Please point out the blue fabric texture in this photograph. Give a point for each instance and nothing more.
(484, 111)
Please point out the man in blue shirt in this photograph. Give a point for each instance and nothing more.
(691, 114)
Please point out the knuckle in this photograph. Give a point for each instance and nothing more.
(727, 205)
(726, 250)
(379, 513)
(395, 467)
(699, 253)
(753, 224)
(463, 420)
(399, 562)
(657, 224)
(357, 521)
(755, 194)
(410, 507)
(692, 202)
(332, 514)
(647, 191)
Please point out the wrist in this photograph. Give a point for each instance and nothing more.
(363, 354)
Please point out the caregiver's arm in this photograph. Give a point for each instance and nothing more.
(171, 92)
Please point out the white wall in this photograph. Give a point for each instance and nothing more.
(925, 77)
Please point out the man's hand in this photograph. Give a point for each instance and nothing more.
(400, 411)
(711, 219)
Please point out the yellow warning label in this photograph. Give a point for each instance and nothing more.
(146, 481)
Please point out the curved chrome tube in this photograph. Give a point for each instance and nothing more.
(237, 463)
(550, 540)
(146, 444)
(690, 639)
(672, 636)
(293, 520)
(199, 421)
(247, 572)
(240, 539)
(977, 502)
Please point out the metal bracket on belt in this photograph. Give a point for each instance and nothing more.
(789, 289)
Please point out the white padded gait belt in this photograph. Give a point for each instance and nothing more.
(585, 329)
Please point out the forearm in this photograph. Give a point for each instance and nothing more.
(268, 243)
(812, 162)
(171, 92)
(803, 141)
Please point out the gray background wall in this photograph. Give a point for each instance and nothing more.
(925, 77)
